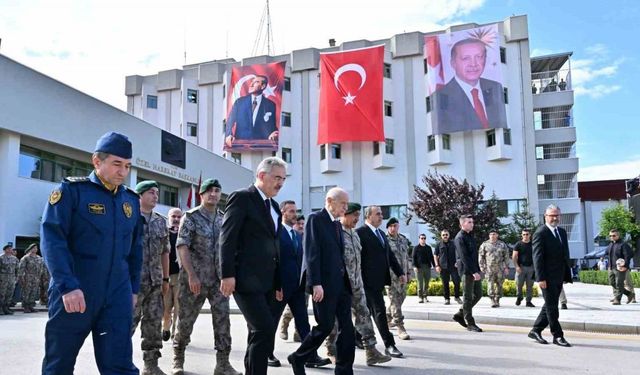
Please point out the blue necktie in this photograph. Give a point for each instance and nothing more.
(380, 237)
(295, 241)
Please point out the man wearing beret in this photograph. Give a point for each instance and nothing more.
(8, 275)
(397, 291)
(29, 272)
(154, 278)
(199, 252)
(92, 245)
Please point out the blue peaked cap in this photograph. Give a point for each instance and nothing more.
(115, 144)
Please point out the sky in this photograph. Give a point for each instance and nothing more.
(92, 45)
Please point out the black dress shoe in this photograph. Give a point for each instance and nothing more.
(518, 301)
(317, 361)
(296, 365)
(460, 320)
(359, 344)
(537, 336)
(474, 328)
(166, 335)
(529, 304)
(272, 361)
(392, 351)
(560, 341)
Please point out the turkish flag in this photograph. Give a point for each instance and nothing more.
(351, 96)
(435, 72)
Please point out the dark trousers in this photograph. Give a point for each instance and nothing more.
(472, 292)
(616, 279)
(257, 310)
(447, 275)
(549, 313)
(375, 302)
(326, 312)
(298, 305)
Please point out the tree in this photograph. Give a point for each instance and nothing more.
(444, 199)
(620, 218)
(520, 220)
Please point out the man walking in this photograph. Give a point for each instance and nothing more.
(447, 266)
(8, 277)
(397, 291)
(619, 255)
(467, 257)
(493, 257)
(170, 298)
(523, 260)
(423, 262)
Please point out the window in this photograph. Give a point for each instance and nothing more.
(386, 72)
(323, 152)
(336, 151)
(42, 165)
(168, 195)
(236, 157)
(506, 135)
(376, 148)
(491, 138)
(506, 96)
(539, 152)
(431, 143)
(388, 144)
(446, 142)
(286, 154)
(224, 125)
(192, 129)
(192, 96)
(503, 55)
(428, 100)
(388, 110)
(224, 91)
(287, 84)
(393, 211)
(426, 66)
(286, 119)
(152, 101)
(541, 180)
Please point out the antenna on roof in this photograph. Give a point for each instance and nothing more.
(264, 38)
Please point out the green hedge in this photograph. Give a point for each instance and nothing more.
(602, 277)
(435, 288)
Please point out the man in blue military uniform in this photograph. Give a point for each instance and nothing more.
(92, 245)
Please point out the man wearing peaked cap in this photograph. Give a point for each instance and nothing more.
(95, 278)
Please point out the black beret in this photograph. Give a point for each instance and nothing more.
(392, 221)
(5, 247)
(115, 144)
(209, 183)
(145, 185)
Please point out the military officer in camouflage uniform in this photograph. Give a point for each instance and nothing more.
(29, 272)
(493, 258)
(359, 309)
(397, 291)
(198, 249)
(154, 277)
(8, 276)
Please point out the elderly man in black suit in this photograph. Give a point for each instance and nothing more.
(249, 250)
(552, 269)
(467, 101)
(328, 281)
(377, 258)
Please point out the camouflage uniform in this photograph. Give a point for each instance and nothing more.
(493, 258)
(359, 309)
(8, 276)
(397, 292)
(199, 231)
(29, 272)
(149, 307)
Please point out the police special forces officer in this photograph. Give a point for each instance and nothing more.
(92, 245)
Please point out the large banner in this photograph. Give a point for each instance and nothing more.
(464, 80)
(253, 107)
(351, 96)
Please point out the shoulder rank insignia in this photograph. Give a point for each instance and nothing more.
(55, 197)
(128, 210)
(76, 179)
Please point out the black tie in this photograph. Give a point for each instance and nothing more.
(379, 234)
(267, 204)
(557, 234)
(295, 241)
(254, 105)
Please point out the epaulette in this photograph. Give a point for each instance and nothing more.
(130, 190)
(192, 210)
(77, 179)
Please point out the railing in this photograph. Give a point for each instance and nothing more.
(556, 151)
(548, 119)
(550, 81)
(558, 186)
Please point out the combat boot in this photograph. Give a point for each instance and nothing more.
(284, 330)
(178, 362)
(223, 367)
(402, 333)
(151, 368)
(374, 357)
(331, 352)
(296, 336)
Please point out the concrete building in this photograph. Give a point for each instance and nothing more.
(190, 102)
(48, 131)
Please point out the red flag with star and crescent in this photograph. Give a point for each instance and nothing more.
(351, 96)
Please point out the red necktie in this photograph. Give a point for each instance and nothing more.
(477, 105)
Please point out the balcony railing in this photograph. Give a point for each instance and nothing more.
(551, 81)
(556, 151)
(558, 186)
(558, 117)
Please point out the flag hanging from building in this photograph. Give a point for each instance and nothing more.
(351, 96)
(435, 71)
(254, 102)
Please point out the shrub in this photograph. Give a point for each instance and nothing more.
(602, 277)
(435, 288)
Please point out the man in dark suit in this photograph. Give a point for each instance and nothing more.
(252, 116)
(249, 248)
(293, 281)
(467, 101)
(467, 258)
(377, 258)
(328, 280)
(618, 249)
(551, 265)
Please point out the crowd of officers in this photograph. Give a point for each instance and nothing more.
(26, 279)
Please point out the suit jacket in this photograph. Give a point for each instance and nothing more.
(376, 260)
(550, 257)
(454, 112)
(291, 259)
(242, 117)
(249, 245)
(323, 255)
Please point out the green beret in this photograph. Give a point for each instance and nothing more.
(145, 185)
(392, 221)
(353, 207)
(209, 183)
(115, 144)
(31, 246)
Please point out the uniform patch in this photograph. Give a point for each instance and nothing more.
(128, 210)
(55, 197)
(96, 208)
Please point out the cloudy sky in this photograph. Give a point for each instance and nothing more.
(92, 45)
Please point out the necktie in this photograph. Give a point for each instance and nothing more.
(379, 235)
(557, 234)
(295, 241)
(479, 108)
(267, 204)
(254, 104)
